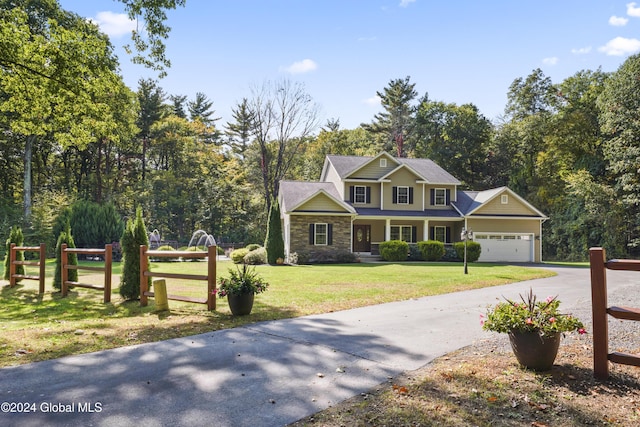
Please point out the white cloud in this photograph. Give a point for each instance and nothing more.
(300, 67)
(581, 51)
(374, 101)
(632, 10)
(550, 61)
(618, 21)
(620, 46)
(405, 3)
(114, 24)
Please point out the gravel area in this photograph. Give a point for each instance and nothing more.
(624, 335)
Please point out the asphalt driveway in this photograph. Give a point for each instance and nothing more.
(269, 373)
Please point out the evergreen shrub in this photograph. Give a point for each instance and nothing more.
(15, 236)
(431, 250)
(473, 250)
(135, 234)
(394, 250)
(256, 256)
(237, 256)
(274, 243)
(65, 237)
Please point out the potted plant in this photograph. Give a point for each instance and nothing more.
(240, 288)
(534, 328)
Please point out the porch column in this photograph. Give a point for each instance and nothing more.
(387, 231)
(425, 230)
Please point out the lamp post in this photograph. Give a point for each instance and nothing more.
(464, 236)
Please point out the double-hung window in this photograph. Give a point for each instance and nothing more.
(360, 194)
(403, 195)
(321, 234)
(440, 197)
(440, 234)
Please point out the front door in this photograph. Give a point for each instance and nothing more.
(361, 238)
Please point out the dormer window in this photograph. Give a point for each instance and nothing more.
(383, 163)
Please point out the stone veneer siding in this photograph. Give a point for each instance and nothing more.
(299, 228)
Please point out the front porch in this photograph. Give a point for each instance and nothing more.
(368, 233)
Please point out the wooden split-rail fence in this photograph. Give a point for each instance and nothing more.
(601, 355)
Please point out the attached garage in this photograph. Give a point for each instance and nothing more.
(501, 247)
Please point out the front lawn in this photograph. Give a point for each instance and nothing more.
(39, 327)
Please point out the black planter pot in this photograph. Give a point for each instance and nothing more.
(534, 351)
(240, 305)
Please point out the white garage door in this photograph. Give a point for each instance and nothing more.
(505, 247)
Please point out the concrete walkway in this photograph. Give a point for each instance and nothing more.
(265, 374)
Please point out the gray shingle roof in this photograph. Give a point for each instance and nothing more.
(293, 193)
(426, 168)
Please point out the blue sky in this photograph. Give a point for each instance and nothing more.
(465, 51)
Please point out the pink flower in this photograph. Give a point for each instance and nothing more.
(552, 320)
(581, 331)
(549, 299)
(482, 320)
(529, 321)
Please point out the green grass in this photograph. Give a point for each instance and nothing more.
(38, 327)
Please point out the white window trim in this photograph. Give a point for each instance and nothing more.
(355, 194)
(444, 197)
(504, 199)
(383, 163)
(444, 233)
(400, 228)
(398, 195)
(325, 234)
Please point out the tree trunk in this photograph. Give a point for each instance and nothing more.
(28, 155)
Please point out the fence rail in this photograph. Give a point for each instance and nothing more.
(65, 267)
(601, 356)
(13, 263)
(210, 278)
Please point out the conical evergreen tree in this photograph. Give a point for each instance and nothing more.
(15, 236)
(135, 234)
(274, 244)
(65, 237)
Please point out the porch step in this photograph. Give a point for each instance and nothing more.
(367, 257)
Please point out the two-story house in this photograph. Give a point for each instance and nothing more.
(362, 201)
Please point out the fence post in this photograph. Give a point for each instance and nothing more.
(12, 265)
(597, 259)
(108, 258)
(144, 266)
(211, 274)
(43, 264)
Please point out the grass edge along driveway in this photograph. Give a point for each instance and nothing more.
(39, 327)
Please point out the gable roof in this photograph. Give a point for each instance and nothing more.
(294, 194)
(469, 202)
(425, 169)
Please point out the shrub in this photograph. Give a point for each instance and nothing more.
(274, 244)
(93, 224)
(431, 250)
(414, 253)
(473, 250)
(252, 246)
(135, 234)
(256, 257)
(65, 237)
(394, 250)
(345, 257)
(450, 254)
(15, 236)
(167, 248)
(237, 256)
